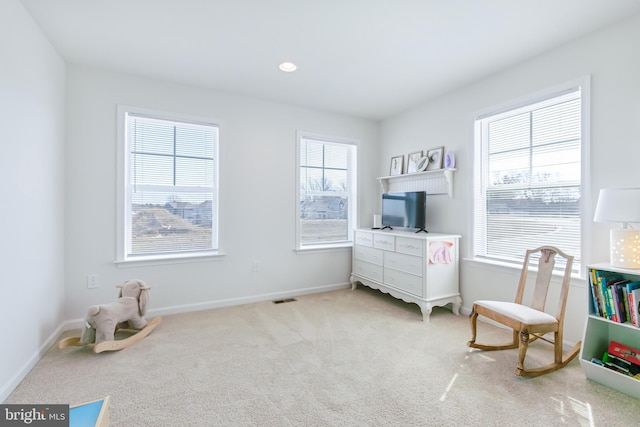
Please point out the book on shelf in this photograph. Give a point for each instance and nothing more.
(629, 354)
(618, 365)
(617, 296)
(621, 365)
(613, 298)
(613, 285)
(634, 307)
(596, 295)
(599, 290)
(602, 282)
(624, 293)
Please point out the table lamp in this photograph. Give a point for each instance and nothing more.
(621, 205)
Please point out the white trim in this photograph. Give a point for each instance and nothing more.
(584, 85)
(209, 305)
(77, 323)
(165, 259)
(352, 184)
(123, 200)
(326, 138)
(493, 265)
(310, 249)
(31, 362)
(586, 216)
(533, 98)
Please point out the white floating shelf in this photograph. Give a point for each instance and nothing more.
(433, 182)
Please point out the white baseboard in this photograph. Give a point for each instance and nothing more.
(77, 324)
(30, 363)
(245, 300)
(187, 308)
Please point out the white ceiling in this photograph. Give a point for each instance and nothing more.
(368, 58)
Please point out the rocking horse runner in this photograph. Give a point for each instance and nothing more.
(126, 314)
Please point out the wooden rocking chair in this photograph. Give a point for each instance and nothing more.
(530, 322)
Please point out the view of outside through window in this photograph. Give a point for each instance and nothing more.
(171, 186)
(324, 192)
(532, 177)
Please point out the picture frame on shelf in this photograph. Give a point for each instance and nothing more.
(422, 163)
(412, 161)
(435, 158)
(397, 165)
(449, 160)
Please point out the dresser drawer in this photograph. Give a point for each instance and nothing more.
(383, 241)
(402, 262)
(368, 254)
(364, 238)
(368, 270)
(403, 281)
(409, 246)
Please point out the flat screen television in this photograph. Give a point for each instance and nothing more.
(407, 210)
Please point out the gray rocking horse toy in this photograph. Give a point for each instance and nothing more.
(125, 315)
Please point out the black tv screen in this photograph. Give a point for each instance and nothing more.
(406, 210)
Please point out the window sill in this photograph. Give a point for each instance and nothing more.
(324, 248)
(506, 266)
(170, 259)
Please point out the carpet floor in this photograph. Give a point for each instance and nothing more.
(342, 358)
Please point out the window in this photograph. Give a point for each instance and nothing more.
(528, 179)
(169, 175)
(326, 192)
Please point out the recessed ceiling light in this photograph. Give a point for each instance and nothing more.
(288, 67)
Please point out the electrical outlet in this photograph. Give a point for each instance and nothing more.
(257, 266)
(92, 281)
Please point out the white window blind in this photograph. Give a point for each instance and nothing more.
(326, 192)
(171, 191)
(528, 180)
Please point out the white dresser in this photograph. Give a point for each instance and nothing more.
(421, 268)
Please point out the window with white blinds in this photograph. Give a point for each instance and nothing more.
(170, 186)
(326, 191)
(528, 179)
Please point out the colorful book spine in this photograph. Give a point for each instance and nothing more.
(619, 299)
(612, 306)
(595, 293)
(625, 301)
(634, 307)
(601, 282)
(629, 288)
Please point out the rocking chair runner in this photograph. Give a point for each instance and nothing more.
(530, 322)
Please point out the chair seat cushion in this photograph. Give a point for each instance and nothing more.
(522, 313)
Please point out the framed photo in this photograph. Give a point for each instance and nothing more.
(397, 165)
(422, 164)
(412, 161)
(435, 158)
(449, 160)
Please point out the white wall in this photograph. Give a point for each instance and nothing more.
(257, 196)
(610, 57)
(32, 173)
(58, 227)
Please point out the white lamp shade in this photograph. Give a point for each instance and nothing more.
(618, 205)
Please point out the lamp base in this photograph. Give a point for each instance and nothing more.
(625, 248)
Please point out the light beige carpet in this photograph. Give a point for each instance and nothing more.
(343, 358)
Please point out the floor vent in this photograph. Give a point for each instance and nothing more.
(280, 301)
